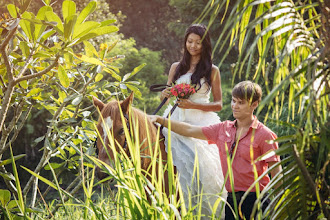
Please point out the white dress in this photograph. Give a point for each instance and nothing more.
(185, 149)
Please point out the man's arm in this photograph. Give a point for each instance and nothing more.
(180, 127)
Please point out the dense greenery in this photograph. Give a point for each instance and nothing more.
(285, 45)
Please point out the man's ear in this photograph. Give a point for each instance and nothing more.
(255, 105)
(126, 103)
(98, 103)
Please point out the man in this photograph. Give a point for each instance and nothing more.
(241, 139)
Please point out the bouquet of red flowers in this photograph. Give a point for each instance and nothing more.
(183, 90)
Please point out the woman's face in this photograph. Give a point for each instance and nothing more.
(194, 44)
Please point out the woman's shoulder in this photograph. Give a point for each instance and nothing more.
(175, 64)
(215, 69)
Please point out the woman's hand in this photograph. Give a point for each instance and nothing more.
(185, 103)
(166, 93)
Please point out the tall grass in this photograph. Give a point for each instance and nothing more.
(140, 194)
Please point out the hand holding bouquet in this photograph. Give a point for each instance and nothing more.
(183, 90)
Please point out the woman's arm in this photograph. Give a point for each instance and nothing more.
(216, 105)
(181, 128)
(166, 92)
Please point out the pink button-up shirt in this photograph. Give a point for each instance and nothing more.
(223, 134)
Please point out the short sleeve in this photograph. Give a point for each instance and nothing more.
(268, 144)
(212, 132)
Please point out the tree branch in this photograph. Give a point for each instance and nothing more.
(49, 68)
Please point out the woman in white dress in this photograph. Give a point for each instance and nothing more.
(196, 68)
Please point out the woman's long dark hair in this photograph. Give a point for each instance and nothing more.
(204, 66)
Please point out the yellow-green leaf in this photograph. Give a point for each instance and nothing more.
(90, 8)
(70, 22)
(89, 59)
(98, 32)
(25, 25)
(137, 69)
(4, 197)
(63, 77)
(113, 74)
(82, 29)
(23, 84)
(98, 77)
(24, 48)
(49, 183)
(12, 10)
(33, 92)
(52, 17)
(39, 29)
(90, 50)
(68, 9)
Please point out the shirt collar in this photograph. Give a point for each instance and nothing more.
(253, 125)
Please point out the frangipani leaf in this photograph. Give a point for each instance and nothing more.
(63, 77)
(89, 59)
(52, 17)
(68, 9)
(90, 8)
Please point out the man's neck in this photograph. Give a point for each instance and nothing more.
(245, 122)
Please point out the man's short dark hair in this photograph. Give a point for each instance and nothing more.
(247, 90)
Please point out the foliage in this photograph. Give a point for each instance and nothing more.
(290, 40)
(41, 70)
(148, 25)
(151, 73)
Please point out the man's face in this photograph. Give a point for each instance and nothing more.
(241, 108)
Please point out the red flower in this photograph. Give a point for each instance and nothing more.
(183, 90)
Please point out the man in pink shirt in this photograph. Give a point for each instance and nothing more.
(241, 140)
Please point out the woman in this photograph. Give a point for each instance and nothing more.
(196, 68)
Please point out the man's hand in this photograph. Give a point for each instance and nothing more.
(153, 118)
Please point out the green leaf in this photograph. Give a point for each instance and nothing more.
(7, 176)
(90, 8)
(17, 182)
(45, 35)
(24, 84)
(68, 9)
(12, 10)
(98, 77)
(39, 29)
(4, 197)
(54, 165)
(25, 25)
(77, 100)
(137, 69)
(90, 50)
(9, 161)
(52, 17)
(12, 204)
(69, 25)
(49, 183)
(83, 29)
(24, 48)
(113, 74)
(107, 22)
(89, 59)
(63, 77)
(135, 90)
(98, 32)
